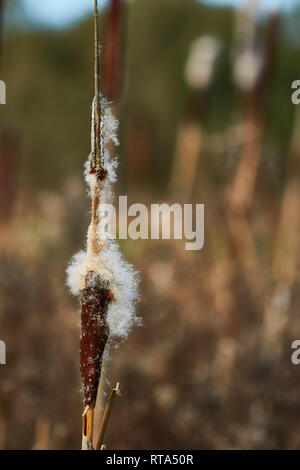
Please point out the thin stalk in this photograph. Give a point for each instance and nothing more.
(106, 415)
(97, 135)
(97, 157)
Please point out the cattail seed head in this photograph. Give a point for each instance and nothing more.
(94, 333)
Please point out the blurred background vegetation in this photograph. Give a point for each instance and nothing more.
(197, 375)
(50, 85)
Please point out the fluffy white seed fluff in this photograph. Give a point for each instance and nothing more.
(109, 263)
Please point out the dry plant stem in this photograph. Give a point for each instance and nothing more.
(97, 145)
(244, 182)
(96, 294)
(98, 150)
(101, 401)
(239, 200)
(106, 415)
(87, 428)
(240, 197)
(95, 219)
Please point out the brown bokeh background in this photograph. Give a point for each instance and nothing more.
(211, 366)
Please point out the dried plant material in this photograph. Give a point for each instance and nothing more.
(87, 428)
(238, 200)
(105, 284)
(102, 256)
(106, 415)
(240, 196)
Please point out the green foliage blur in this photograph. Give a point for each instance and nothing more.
(49, 76)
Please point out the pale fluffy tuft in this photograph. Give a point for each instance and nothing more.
(109, 264)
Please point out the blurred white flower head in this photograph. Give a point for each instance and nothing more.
(247, 58)
(201, 62)
(247, 67)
